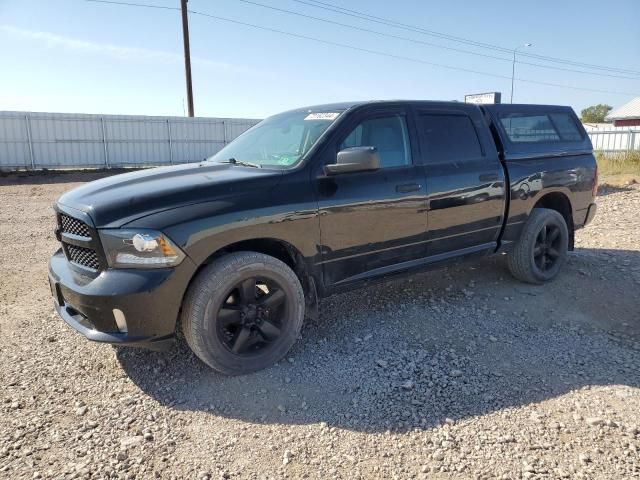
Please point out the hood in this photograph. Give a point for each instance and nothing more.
(114, 201)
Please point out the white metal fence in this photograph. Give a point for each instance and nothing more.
(615, 140)
(607, 138)
(30, 140)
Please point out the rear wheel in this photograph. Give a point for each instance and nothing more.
(541, 250)
(243, 312)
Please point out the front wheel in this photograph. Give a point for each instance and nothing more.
(243, 312)
(541, 250)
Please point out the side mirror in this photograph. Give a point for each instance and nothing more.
(354, 159)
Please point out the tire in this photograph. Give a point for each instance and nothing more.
(233, 330)
(541, 250)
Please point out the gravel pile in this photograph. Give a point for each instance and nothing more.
(457, 373)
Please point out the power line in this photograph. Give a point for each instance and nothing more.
(366, 50)
(421, 42)
(393, 23)
(385, 21)
(131, 4)
(401, 57)
(381, 20)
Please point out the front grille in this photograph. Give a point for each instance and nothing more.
(74, 226)
(83, 256)
(80, 242)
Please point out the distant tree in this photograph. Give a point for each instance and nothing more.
(595, 113)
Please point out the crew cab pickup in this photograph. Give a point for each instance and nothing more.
(235, 251)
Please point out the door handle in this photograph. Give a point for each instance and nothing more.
(488, 177)
(408, 187)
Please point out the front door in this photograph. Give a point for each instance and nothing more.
(371, 222)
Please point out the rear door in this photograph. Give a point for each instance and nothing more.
(372, 222)
(465, 179)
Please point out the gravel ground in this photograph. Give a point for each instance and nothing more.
(456, 373)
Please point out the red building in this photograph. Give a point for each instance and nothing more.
(627, 115)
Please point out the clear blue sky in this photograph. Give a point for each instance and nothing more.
(75, 56)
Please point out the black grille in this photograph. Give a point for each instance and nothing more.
(74, 226)
(83, 256)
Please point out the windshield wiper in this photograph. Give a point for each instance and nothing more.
(233, 161)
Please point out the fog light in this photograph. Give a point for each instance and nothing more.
(121, 322)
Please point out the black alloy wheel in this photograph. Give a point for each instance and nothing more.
(252, 315)
(243, 312)
(548, 246)
(541, 250)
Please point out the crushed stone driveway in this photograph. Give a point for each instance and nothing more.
(456, 373)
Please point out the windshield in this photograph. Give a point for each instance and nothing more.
(278, 141)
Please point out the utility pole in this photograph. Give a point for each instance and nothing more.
(513, 66)
(187, 55)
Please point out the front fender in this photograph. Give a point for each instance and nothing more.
(287, 212)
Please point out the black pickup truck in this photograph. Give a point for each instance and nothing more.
(235, 251)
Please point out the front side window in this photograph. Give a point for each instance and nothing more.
(279, 141)
(388, 134)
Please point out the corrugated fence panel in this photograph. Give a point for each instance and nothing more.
(236, 127)
(63, 140)
(137, 141)
(14, 142)
(194, 141)
(66, 141)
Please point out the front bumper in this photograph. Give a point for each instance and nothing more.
(147, 300)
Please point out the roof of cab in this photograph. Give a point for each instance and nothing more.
(326, 107)
(495, 107)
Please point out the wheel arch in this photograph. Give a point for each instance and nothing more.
(281, 250)
(559, 201)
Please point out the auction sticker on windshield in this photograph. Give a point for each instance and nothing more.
(322, 116)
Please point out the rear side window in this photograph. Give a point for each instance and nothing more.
(552, 127)
(449, 138)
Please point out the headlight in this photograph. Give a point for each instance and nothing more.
(139, 249)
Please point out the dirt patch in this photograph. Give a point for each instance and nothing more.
(621, 180)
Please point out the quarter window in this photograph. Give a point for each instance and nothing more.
(566, 126)
(449, 138)
(388, 134)
(552, 127)
(529, 128)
